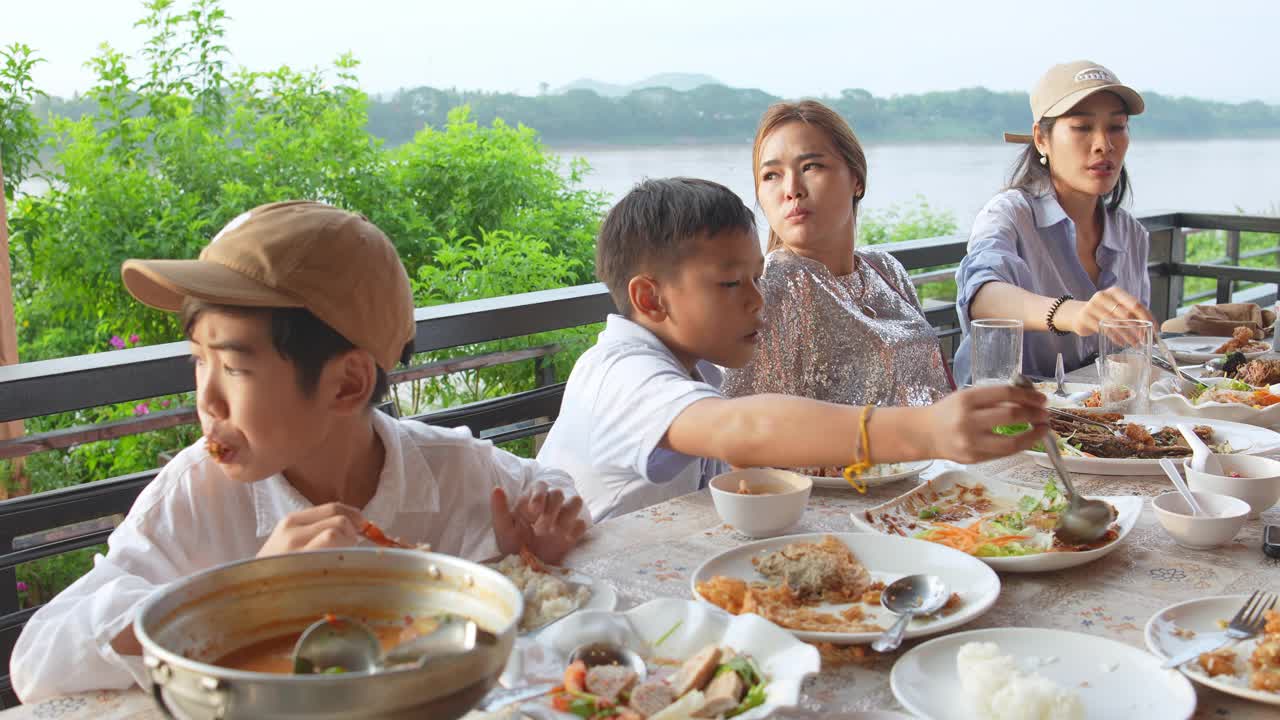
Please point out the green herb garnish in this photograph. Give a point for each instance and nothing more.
(929, 513)
(668, 633)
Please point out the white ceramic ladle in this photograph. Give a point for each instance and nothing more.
(1172, 471)
(1202, 458)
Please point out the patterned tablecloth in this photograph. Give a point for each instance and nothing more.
(652, 553)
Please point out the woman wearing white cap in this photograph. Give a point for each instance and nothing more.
(1055, 249)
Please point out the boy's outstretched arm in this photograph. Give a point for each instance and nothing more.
(785, 431)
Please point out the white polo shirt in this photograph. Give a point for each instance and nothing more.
(621, 398)
(434, 488)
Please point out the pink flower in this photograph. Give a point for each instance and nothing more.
(116, 342)
(133, 339)
(141, 409)
(22, 587)
(165, 403)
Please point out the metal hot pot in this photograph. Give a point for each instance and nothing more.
(189, 624)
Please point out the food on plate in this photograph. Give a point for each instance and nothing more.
(1235, 392)
(275, 654)
(996, 689)
(875, 471)
(715, 682)
(1219, 662)
(547, 596)
(1114, 395)
(827, 571)
(1084, 439)
(1242, 341)
(971, 519)
(805, 575)
(1258, 372)
(1260, 669)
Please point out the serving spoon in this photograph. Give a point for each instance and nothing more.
(908, 597)
(348, 644)
(1085, 520)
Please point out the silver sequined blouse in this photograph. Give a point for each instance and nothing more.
(851, 339)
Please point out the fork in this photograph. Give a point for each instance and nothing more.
(1248, 621)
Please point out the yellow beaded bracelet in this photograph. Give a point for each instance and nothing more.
(853, 471)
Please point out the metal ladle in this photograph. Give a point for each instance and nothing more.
(1084, 520)
(348, 644)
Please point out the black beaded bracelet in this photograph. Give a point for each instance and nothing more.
(1053, 309)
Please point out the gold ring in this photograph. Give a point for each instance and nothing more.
(1113, 309)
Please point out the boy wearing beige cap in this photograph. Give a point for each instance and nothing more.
(295, 312)
(1057, 250)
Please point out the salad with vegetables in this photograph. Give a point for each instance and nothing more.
(1002, 527)
(715, 683)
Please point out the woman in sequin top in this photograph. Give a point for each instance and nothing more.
(841, 325)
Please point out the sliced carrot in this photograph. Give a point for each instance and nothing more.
(575, 677)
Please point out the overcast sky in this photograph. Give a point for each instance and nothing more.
(1222, 50)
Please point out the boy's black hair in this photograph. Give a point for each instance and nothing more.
(300, 337)
(658, 224)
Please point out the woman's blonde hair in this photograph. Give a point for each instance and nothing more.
(824, 118)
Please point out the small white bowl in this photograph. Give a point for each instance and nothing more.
(1226, 515)
(1258, 484)
(762, 515)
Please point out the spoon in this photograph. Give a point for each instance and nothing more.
(1202, 458)
(908, 597)
(1084, 520)
(1172, 471)
(1058, 375)
(349, 644)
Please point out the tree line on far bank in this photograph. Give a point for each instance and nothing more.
(717, 113)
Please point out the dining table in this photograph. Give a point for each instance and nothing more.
(652, 553)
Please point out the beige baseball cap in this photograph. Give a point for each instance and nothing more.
(298, 253)
(1065, 85)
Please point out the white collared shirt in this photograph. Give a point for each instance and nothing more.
(621, 398)
(1028, 241)
(434, 488)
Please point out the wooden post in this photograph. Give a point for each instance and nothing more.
(8, 341)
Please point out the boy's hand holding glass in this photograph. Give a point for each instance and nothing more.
(332, 525)
(541, 521)
(961, 425)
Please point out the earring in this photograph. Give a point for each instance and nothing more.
(1044, 159)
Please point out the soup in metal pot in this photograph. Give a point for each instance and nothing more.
(275, 654)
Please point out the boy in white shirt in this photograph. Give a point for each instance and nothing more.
(643, 418)
(295, 311)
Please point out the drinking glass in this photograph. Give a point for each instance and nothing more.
(997, 350)
(1124, 364)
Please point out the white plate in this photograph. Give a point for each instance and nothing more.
(1165, 398)
(1201, 616)
(1246, 439)
(1129, 509)
(1188, 348)
(1124, 683)
(1077, 393)
(877, 475)
(688, 627)
(887, 558)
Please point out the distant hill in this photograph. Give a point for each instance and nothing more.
(682, 82)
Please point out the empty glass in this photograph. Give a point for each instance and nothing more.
(997, 350)
(1124, 364)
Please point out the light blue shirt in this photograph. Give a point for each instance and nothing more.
(1029, 241)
